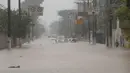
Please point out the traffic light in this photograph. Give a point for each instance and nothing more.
(128, 3)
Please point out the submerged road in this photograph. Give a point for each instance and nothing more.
(42, 56)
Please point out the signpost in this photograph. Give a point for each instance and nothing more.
(36, 10)
(79, 20)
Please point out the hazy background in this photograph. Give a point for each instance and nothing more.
(50, 8)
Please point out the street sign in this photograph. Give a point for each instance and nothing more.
(36, 10)
(79, 21)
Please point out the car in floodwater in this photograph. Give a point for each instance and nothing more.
(60, 39)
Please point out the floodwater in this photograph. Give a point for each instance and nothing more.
(43, 56)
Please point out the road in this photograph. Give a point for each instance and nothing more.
(42, 56)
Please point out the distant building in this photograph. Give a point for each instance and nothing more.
(67, 23)
(88, 8)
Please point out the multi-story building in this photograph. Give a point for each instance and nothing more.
(100, 8)
(84, 9)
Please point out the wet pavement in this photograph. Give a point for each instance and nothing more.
(43, 56)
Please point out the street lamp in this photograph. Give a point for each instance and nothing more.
(94, 28)
(71, 22)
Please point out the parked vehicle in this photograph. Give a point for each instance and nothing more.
(74, 40)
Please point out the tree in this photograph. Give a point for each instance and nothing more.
(123, 13)
(3, 20)
(39, 29)
(19, 27)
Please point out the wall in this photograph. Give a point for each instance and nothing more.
(3, 41)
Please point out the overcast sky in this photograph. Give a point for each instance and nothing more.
(51, 7)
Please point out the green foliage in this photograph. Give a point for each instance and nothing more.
(123, 1)
(19, 27)
(3, 20)
(123, 13)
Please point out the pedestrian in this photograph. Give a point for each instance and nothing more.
(122, 41)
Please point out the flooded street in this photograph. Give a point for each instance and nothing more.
(66, 26)
(42, 56)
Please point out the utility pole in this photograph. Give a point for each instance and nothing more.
(94, 28)
(19, 2)
(94, 22)
(89, 25)
(29, 31)
(19, 5)
(109, 24)
(69, 23)
(84, 16)
(9, 24)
